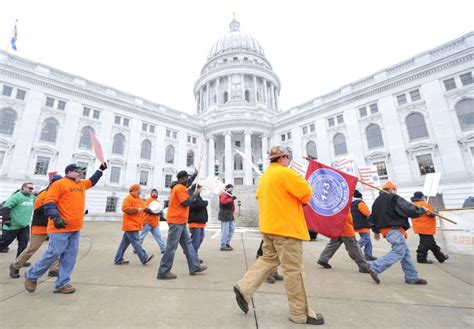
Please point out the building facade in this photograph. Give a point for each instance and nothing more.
(410, 119)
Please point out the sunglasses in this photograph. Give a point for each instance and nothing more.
(30, 188)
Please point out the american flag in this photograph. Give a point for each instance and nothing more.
(298, 167)
(14, 37)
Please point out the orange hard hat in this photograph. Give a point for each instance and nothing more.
(389, 186)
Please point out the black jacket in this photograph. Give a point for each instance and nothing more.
(359, 220)
(198, 211)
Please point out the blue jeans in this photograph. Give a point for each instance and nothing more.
(128, 238)
(62, 245)
(197, 237)
(178, 234)
(155, 231)
(227, 231)
(400, 253)
(365, 244)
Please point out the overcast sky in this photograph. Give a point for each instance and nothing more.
(156, 49)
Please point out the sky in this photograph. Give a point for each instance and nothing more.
(156, 49)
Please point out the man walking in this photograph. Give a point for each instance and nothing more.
(281, 194)
(152, 223)
(390, 213)
(360, 218)
(64, 205)
(226, 217)
(178, 233)
(197, 218)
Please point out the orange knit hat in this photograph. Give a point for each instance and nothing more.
(134, 187)
(389, 186)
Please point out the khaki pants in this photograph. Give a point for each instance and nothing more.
(288, 253)
(36, 240)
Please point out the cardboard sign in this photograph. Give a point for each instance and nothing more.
(431, 184)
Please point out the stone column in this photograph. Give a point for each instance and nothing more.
(242, 78)
(265, 151)
(229, 86)
(200, 100)
(229, 168)
(210, 154)
(265, 92)
(272, 96)
(255, 88)
(217, 91)
(208, 95)
(276, 99)
(248, 154)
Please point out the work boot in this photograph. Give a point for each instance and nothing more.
(201, 268)
(363, 270)
(67, 289)
(14, 272)
(30, 285)
(167, 276)
(270, 279)
(27, 264)
(122, 262)
(229, 246)
(419, 281)
(370, 258)
(278, 277)
(52, 273)
(324, 264)
(226, 249)
(374, 276)
(442, 259)
(243, 304)
(318, 320)
(425, 261)
(148, 259)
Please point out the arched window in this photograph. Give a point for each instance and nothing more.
(190, 158)
(465, 113)
(118, 147)
(247, 96)
(169, 155)
(374, 136)
(226, 97)
(340, 146)
(238, 162)
(7, 121)
(86, 141)
(145, 152)
(311, 150)
(416, 126)
(49, 131)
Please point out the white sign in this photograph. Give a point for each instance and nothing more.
(459, 239)
(200, 153)
(369, 175)
(213, 184)
(345, 164)
(431, 184)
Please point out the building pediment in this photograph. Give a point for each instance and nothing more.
(117, 161)
(83, 155)
(5, 144)
(467, 139)
(377, 155)
(44, 149)
(421, 147)
(145, 165)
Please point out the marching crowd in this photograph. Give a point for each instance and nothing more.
(57, 214)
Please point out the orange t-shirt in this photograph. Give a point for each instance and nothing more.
(348, 227)
(424, 224)
(151, 220)
(70, 198)
(132, 222)
(177, 214)
(366, 212)
(35, 229)
(197, 225)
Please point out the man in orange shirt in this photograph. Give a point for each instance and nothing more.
(360, 218)
(178, 233)
(64, 205)
(425, 227)
(281, 194)
(152, 223)
(133, 209)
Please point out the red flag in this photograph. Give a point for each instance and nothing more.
(331, 200)
(99, 154)
(51, 174)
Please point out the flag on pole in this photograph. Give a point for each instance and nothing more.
(331, 200)
(99, 154)
(298, 167)
(14, 38)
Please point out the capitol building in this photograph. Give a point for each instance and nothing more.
(410, 119)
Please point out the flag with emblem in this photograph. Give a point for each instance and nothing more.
(331, 199)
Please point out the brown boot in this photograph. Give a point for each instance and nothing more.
(30, 285)
(67, 289)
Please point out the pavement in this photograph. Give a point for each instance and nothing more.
(130, 296)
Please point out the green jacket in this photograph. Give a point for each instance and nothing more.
(21, 209)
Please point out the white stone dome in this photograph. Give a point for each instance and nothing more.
(235, 41)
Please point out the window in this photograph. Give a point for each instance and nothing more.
(312, 128)
(7, 121)
(374, 136)
(118, 147)
(311, 150)
(168, 179)
(381, 169)
(340, 146)
(62, 106)
(247, 96)
(238, 165)
(126, 122)
(49, 102)
(49, 131)
(152, 129)
(115, 174)
(374, 108)
(118, 120)
(425, 163)
(20, 94)
(7, 91)
(362, 112)
(238, 181)
(304, 130)
(235, 58)
(449, 84)
(465, 113)
(402, 99)
(143, 177)
(169, 155)
(168, 133)
(331, 122)
(283, 137)
(42, 164)
(237, 143)
(86, 141)
(194, 140)
(84, 165)
(190, 158)
(340, 119)
(466, 78)
(416, 126)
(96, 115)
(226, 96)
(288, 135)
(175, 135)
(144, 127)
(415, 95)
(86, 111)
(111, 204)
(145, 152)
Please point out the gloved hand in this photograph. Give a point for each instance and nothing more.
(234, 197)
(7, 220)
(103, 166)
(59, 222)
(148, 211)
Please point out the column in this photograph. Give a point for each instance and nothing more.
(255, 88)
(248, 154)
(242, 78)
(217, 91)
(229, 168)
(229, 87)
(210, 155)
(276, 100)
(272, 98)
(208, 94)
(200, 100)
(265, 92)
(265, 151)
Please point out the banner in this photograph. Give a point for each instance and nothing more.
(200, 153)
(99, 154)
(459, 239)
(213, 184)
(345, 164)
(331, 200)
(369, 175)
(430, 188)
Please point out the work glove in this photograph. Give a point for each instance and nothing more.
(59, 222)
(148, 211)
(103, 166)
(234, 197)
(7, 220)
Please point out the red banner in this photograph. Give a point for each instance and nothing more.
(331, 200)
(97, 147)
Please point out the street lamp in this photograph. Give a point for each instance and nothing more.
(216, 168)
(239, 203)
(260, 165)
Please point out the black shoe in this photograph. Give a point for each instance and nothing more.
(324, 264)
(162, 252)
(148, 259)
(167, 276)
(318, 320)
(229, 246)
(4, 250)
(14, 272)
(244, 306)
(270, 279)
(425, 261)
(53, 273)
(363, 270)
(420, 281)
(201, 261)
(374, 276)
(27, 264)
(278, 277)
(370, 258)
(123, 262)
(201, 268)
(445, 257)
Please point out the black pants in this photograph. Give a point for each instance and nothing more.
(427, 243)
(21, 234)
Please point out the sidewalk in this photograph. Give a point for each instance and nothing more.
(130, 296)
